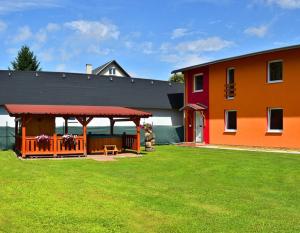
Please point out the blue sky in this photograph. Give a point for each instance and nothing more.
(148, 38)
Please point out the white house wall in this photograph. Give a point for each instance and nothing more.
(5, 118)
(160, 117)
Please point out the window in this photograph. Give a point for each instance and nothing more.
(275, 71)
(112, 70)
(230, 121)
(275, 120)
(230, 84)
(198, 83)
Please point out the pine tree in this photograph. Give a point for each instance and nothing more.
(25, 60)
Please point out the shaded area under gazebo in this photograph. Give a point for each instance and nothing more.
(35, 120)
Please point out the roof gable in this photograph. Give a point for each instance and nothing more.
(105, 66)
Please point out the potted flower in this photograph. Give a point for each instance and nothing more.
(69, 140)
(43, 140)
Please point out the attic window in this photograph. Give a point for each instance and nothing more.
(112, 71)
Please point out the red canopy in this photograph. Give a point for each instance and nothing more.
(74, 110)
(196, 107)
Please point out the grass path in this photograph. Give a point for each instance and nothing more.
(175, 189)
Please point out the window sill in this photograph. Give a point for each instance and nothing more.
(230, 131)
(196, 91)
(275, 131)
(272, 82)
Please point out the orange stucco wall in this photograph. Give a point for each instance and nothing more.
(253, 96)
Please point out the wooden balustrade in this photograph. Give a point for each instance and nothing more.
(76, 148)
(130, 142)
(32, 147)
(35, 148)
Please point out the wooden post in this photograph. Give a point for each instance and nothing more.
(23, 151)
(84, 139)
(138, 135)
(112, 123)
(66, 125)
(16, 134)
(84, 122)
(54, 144)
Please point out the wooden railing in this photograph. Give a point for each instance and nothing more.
(130, 142)
(76, 148)
(34, 148)
(230, 91)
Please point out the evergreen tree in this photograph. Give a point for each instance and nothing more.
(178, 78)
(25, 60)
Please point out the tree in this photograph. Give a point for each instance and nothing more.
(178, 78)
(25, 60)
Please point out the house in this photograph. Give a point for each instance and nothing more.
(111, 68)
(248, 100)
(160, 98)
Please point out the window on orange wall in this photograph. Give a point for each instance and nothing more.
(198, 82)
(275, 120)
(230, 84)
(275, 71)
(230, 120)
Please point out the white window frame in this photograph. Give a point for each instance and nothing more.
(269, 130)
(226, 121)
(194, 88)
(227, 81)
(113, 71)
(268, 78)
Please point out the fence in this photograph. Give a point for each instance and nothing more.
(164, 134)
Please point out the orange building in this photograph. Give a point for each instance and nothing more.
(253, 100)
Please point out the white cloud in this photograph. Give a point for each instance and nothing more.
(41, 36)
(147, 47)
(24, 33)
(51, 27)
(260, 31)
(179, 32)
(21, 5)
(286, 4)
(3, 26)
(98, 50)
(46, 55)
(184, 60)
(61, 67)
(96, 30)
(210, 44)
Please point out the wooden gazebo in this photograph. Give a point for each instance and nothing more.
(35, 120)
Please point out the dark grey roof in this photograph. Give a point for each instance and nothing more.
(28, 87)
(236, 57)
(102, 67)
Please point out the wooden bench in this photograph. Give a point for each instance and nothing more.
(110, 149)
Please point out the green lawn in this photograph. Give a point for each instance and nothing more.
(174, 189)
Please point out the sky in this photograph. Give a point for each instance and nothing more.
(148, 38)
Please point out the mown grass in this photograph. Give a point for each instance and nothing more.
(174, 189)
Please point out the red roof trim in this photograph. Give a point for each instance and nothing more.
(74, 110)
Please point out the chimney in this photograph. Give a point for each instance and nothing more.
(89, 68)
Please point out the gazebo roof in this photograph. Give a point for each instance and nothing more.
(74, 110)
